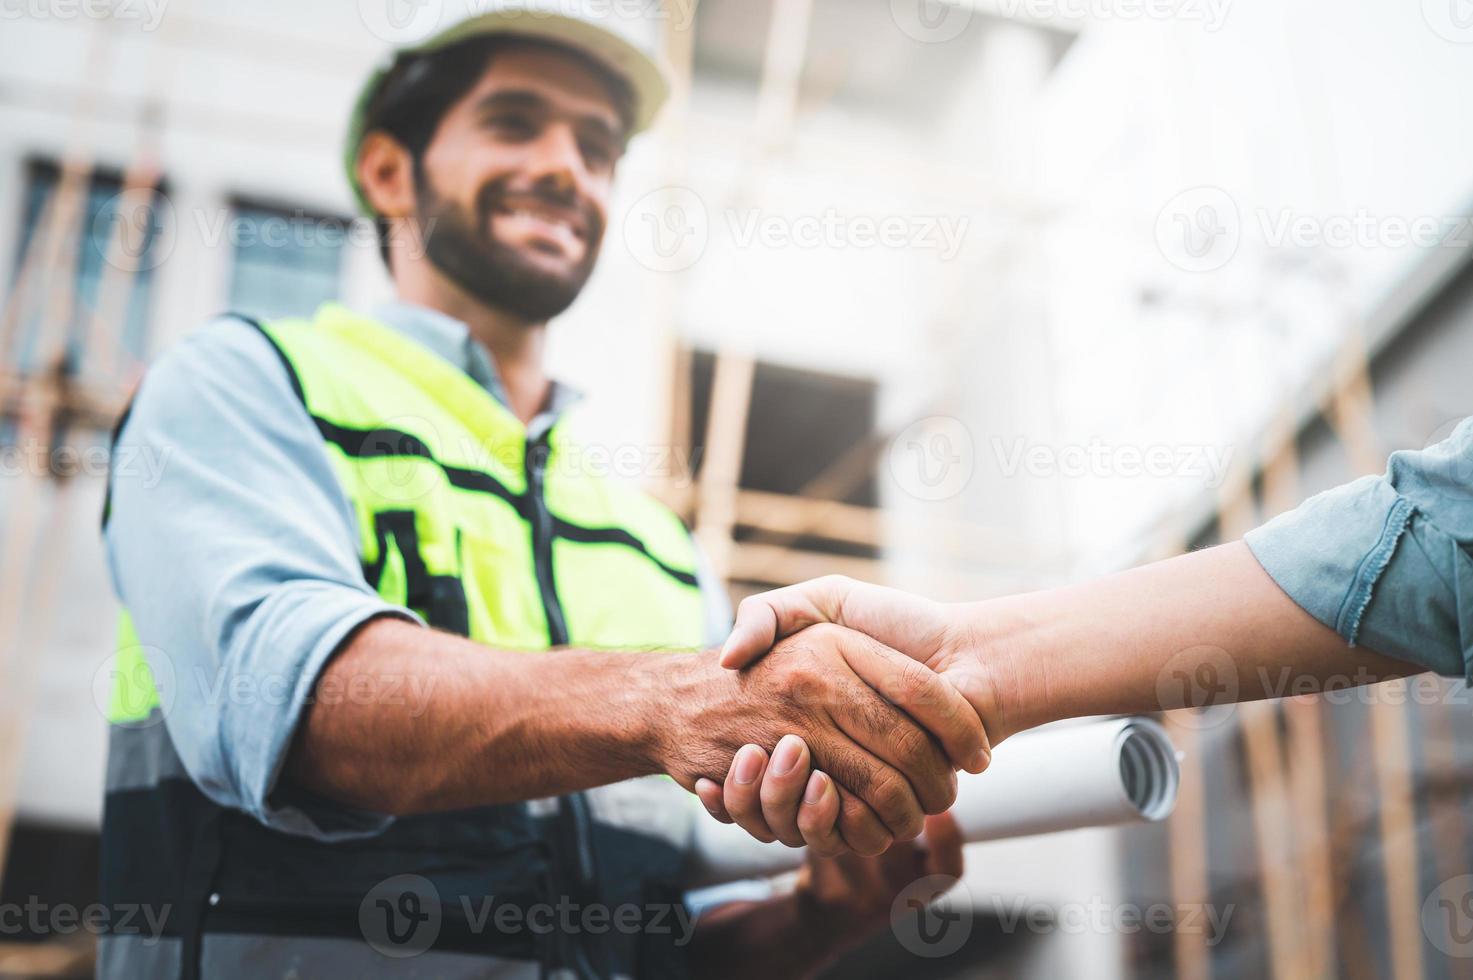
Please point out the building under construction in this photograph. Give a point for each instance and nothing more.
(872, 262)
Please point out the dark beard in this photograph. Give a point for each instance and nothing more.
(467, 252)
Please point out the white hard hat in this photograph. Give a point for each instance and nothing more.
(621, 35)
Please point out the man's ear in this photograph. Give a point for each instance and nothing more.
(386, 174)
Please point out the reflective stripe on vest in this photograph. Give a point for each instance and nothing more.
(410, 433)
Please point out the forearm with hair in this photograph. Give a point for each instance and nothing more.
(407, 719)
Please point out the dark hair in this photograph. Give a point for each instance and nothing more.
(420, 88)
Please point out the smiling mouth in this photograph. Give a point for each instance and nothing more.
(556, 224)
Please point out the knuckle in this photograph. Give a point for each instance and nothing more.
(913, 746)
(833, 582)
(826, 848)
(830, 844)
(889, 795)
(906, 819)
(757, 830)
(915, 683)
(944, 801)
(741, 805)
(935, 785)
(911, 827)
(775, 796)
(828, 634)
(943, 795)
(872, 844)
(812, 825)
(790, 837)
(752, 605)
(804, 688)
(861, 831)
(953, 711)
(967, 728)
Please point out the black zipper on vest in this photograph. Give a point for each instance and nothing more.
(574, 822)
(536, 467)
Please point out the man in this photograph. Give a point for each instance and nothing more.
(312, 782)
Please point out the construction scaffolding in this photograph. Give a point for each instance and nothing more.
(67, 372)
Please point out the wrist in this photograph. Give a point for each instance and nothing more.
(638, 695)
(681, 696)
(1007, 639)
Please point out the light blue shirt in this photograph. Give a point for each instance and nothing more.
(238, 560)
(1384, 560)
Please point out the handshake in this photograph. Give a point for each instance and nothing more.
(873, 699)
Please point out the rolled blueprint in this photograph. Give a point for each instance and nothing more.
(1092, 774)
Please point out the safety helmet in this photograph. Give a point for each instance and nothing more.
(620, 35)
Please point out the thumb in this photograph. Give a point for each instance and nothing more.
(767, 617)
(753, 634)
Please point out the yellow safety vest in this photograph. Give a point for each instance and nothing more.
(515, 543)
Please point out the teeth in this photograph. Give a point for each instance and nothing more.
(544, 218)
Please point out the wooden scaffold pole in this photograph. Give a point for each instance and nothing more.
(1352, 418)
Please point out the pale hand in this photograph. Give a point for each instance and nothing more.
(936, 634)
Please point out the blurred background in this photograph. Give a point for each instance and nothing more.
(967, 297)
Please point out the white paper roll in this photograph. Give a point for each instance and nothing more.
(1092, 774)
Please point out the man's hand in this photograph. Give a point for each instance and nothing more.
(886, 729)
(849, 898)
(836, 905)
(785, 799)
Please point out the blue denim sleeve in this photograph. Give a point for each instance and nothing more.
(237, 558)
(1384, 560)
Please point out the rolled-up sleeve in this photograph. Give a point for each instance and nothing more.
(235, 550)
(1384, 560)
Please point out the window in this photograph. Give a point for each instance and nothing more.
(800, 424)
(287, 261)
(808, 435)
(127, 275)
